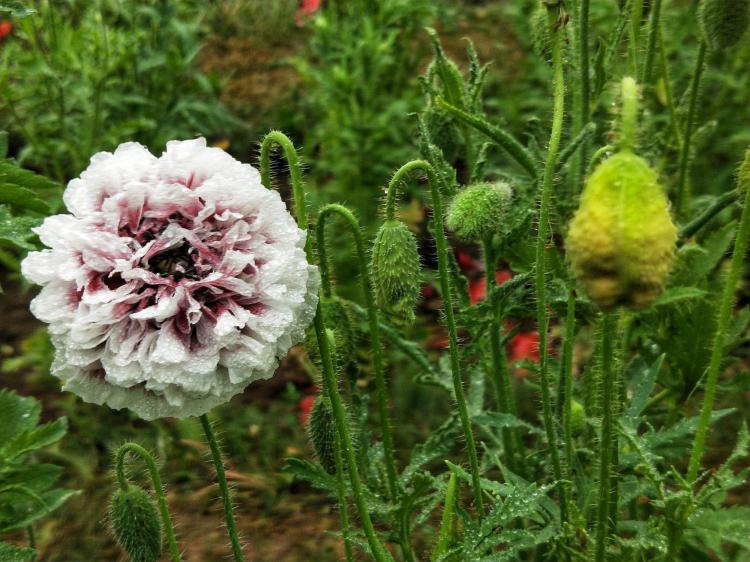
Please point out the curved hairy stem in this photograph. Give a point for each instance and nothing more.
(541, 255)
(330, 383)
(441, 244)
(161, 500)
(683, 190)
(373, 320)
(221, 478)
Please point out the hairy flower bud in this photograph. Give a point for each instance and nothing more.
(395, 269)
(340, 332)
(477, 211)
(621, 241)
(443, 132)
(135, 524)
(321, 430)
(723, 22)
(540, 35)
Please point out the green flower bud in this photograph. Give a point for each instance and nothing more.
(395, 269)
(321, 431)
(478, 210)
(743, 175)
(621, 240)
(577, 417)
(443, 132)
(135, 524)
(540, 34)
(723, 22)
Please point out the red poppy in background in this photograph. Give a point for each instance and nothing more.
(5, 28)
(305, 407)
(524, 346)
(478, 288)
(306, 9)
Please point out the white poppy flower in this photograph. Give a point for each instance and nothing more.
(174, 282)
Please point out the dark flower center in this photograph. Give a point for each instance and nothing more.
(175, 262)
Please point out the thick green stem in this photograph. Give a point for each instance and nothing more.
(605, 440)
(441, 244)
(374, 323)
(330, 383)
(501, 375)
(653, 32)
(682, 201)
(541, 256)
(161, 500)
(628, 114)
(221, 478)
(719, 341)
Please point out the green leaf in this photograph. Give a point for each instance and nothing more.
(29, 511)
(13, 553)
(642, 384)
(16, 10)
(17, 230)
(35, 439)
(312, 473)
(674, 295)
(18, 414)
(22, 198)
(10, 173)
(717, 528)
(440, 442)
(500, 420)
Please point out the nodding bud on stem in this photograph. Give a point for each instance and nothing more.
(135, 524)
(723, 22)
(476, 213)
(395, 269)
(621, 241)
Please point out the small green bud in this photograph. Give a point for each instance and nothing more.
(723, 22)
(478, 210)
(443, 132)
(395, 269)
(743, 175)
(577, 417)
(621, 240)
(135, 524)
(540, 34)
(341, 335)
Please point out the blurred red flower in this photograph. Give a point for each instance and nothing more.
(306, 9)
(5, 28)
(524, 346)
(478, 288)
(305, 407)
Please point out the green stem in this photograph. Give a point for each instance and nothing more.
(341, 496)
(683, 190)
(450, 321)
(501, 375)
(597, 157)
(605, 440)
(717, 349)
(653, 32)
(221, 477)
(566, 375)
(636, 14)
(668, 89)
(629, 114)
(161, 500)
(722, 202)
(373, 320)
(541, 256)
(32, 541)
(585, 85)
(329, 373)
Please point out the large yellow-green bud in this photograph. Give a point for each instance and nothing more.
(723, 22)
(135, 524)
(477, 211)
(395, 269)
(622, 239)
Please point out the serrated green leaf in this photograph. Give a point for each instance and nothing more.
(17, 230)
(37, 438)
(500, 420)
(18, 414)
(16, 10)
(10, 173)
(674, 295)
(29, 511)
(21, 198)
(312, 473)
(643, 380)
